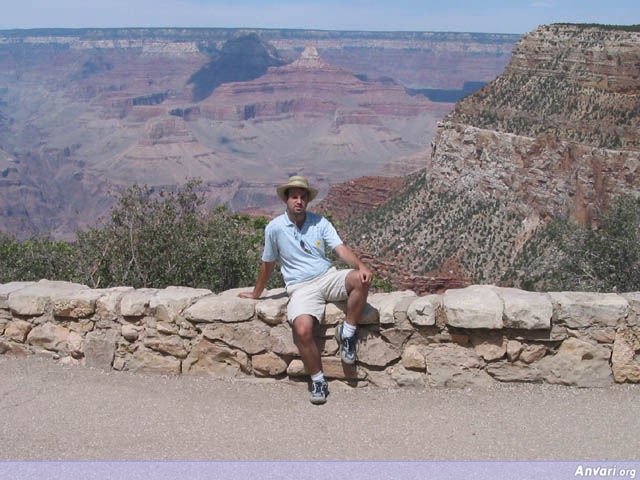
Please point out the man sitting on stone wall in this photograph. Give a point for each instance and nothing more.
(297, 239)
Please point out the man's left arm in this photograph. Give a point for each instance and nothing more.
(347, 256)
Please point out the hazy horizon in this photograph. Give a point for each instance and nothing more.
(492, 16)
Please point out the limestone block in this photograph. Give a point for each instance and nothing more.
(221, 308)
(413, 359)
(580, 309)
(166, 328)
(525, 310)
(625, 359)
(556, 334)
(251, 337)
(17, 330)
(74, 344)
(396, 336)
(444, 336)
(382, 379)
(332, 368)
(505, 371)
(99, 349)
(187, 332)
(8, 288)
(50, 336)
(136, 302)
(130, 332)
(490, 347)
(406, 378)
(578, 363)
(400, 312)
(169, 302)
(373, 351)
(170, 345)
(273, 310)
(423, 311)
(514, 349)
(533, 353)
(150, 362)
(370, 315)
(268, 364)
(79, 305)
(477, 306)
(281, 340)
(450, 364)
(387, 304)
(603, 335)
(327, 346)
(233, 292)
(632, 297)
(214, 359)
(82, 327)
(35, 299)
(10, 348)
(334, 313)
(107, 306)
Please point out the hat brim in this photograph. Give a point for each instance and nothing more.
(283, 188)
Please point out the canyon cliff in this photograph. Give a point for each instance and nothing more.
(556, 134)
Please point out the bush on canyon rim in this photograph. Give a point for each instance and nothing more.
(150, 239)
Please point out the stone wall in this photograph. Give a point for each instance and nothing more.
(465, 337)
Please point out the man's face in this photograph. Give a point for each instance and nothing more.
(297, 200)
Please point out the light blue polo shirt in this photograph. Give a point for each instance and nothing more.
(300, 251)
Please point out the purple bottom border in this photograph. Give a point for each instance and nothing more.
(231, 470)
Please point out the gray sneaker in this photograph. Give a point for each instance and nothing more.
(319, 392)
(347, 346)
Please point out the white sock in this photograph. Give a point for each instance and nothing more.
(348, 330)
(317, 377)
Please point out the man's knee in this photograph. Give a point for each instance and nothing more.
(355, 283)
(303, 329)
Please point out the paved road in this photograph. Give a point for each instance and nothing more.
(53, 412)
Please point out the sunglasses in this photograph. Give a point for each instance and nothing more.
(304, 247)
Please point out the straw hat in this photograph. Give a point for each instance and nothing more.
(297, 181)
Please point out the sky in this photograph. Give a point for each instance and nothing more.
(495, 16)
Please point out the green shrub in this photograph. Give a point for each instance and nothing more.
(150, 239)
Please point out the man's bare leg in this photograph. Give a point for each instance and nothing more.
(303, 330)
(357, 297)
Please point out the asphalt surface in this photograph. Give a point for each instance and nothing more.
(54, 412)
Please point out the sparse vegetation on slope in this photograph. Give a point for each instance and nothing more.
(422, 228)
(565, 256)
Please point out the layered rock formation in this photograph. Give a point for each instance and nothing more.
(559, 128)
(556, 133)
(85, 112)
(466, 337)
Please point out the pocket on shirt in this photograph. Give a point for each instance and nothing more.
(317, 243)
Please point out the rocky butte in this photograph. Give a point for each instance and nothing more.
(556, 133)
(85, 112)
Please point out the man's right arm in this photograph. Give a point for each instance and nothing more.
(263, 277)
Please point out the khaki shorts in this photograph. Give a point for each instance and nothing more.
(311, 296)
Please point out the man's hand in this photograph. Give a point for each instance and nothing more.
(248, 295)
(347, 256)
(365, 275)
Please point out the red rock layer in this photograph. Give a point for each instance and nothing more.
(347, 200)
(309, 85)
